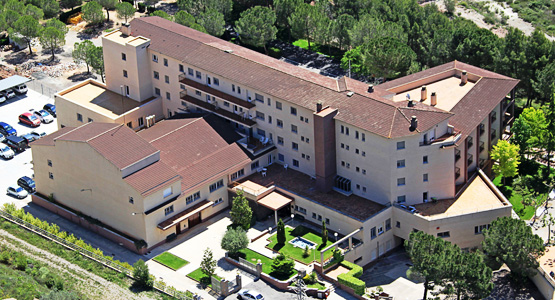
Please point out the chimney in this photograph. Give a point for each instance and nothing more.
(411, 103)
(370, 89)
(433, 100)
(413, 123)
(125, 29)
(318, 107)
(464, 77)
(423, 93)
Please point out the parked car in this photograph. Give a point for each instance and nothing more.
(250, 295)
(2, 98)
(21, 89)
(28, 138)
(2, 138)
(37, 135)
(6, 129)
(16, 143)
(29, 119)
(44, 116)
(8, 93)
(27, 183)
(6, 152)
(51, 108)
(17, 192)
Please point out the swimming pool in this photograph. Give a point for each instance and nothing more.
(302, 243)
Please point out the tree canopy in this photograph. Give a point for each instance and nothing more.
(234, 240)
(53, 36)
(24, 30)
(387, 57)
(241, 212)
(92, 12)
(507, 159)
(125, 11)
(212, 21)
(256, 26)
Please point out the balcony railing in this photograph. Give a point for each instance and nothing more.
(482, 162)
(470, 141)
(243, 119)
(256, 145)
(508, 120)
(493, 117)
(482, 146)
(457, 173)
(212, 91)
(469, 159)
(482, 129)
(457, 155)
(493, 134)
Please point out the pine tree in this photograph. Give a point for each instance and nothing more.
(241, 213)
(324, 234)
(280, 235)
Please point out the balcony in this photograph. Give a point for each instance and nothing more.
(457, 173)
(482, 162)
(457, 154)
(482, 146)
(507, 103)
(493, 117)
(469, 159)
(508, 119)
(218, 111)
(482, 129)
(493, 134)
(256, 146)
(469, 142)
(212, 91)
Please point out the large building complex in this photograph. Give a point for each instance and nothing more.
(373, 162)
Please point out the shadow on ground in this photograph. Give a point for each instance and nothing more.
(81, 76)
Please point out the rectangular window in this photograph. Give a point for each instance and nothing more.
(443, 234)
(364, 189)
(141, 121)
(295, 146)
(167, 78)
(342, 146)
(357, 169)
(295, 163)
(154, 58)
(157, 91)
(425, 196)
(198, 74)
(233, 87)
(480, 229)
(156, 75)
(237, 174)
(123, 56)
(401, 181)
(270, 119)
(425, 177)
(49, 163)
(167, 192)
(255, 165)
(398, 224)
(192, 198)
(425, 159)
(319, 217)
(125, 73)
(79, 117)
(216, 186)
(216, 81)
(278, 105)
(373, 234)
(181, 68)
(363, 153)
(165, 62)
(293, 111)
(308, 157)
(130, 124)
(259, 97)
(226, 104)
(356, 151)
(363, 171)
(260, 116)
(300, 209)
(50, 175)
(261, 132)
(356, 134)
(363, 137)
(301, 118)
(131, 200)
(280, 140)
(89, 120)
(239, 89)
(342, 129)
(327, 221)
(279, 123)
(218, 202)
(314, 215)
(380, 230)
(307, 140)
(281, 157)
(401, 163)
(198, 93)
(387, 224)
(400, 145)
(191, 71)
(346, 130)
(294, 128)
(401, 199)
(269, 102)
(358, 186)
(168, 210)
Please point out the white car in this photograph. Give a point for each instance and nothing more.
(2, 98)
(6, 152)
(17, 192)
(250, 295)
(44, 116)
(8, 93)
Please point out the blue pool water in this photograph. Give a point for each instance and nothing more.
(302, 243)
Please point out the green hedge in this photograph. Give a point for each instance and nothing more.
(350, 278)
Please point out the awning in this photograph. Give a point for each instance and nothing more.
(12, 81)
(168, 223)
(275, 201)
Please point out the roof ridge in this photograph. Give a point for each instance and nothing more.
(392, 123)
(406, 118)
(103, 133)
(174, 130)
(75, 128)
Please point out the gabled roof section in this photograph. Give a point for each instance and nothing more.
(149, 179)
(48, 140)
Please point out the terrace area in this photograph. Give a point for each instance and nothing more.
(218, 111)
(303, 185)
(212, 91)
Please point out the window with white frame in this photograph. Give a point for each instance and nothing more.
(401, 163)
(154, 58)
(259, 97)
(165, 62)
(191, 71)
(444, 234)
(168, 210)
(278, 105)
(192, 198)
(216, 186)
(373, 234)
(237, 174)
(218, 202)
(401, 181)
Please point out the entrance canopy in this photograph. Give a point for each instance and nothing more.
(166, 224)
(12, 81)
(275, 201)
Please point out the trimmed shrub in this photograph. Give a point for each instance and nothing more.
(350, 278)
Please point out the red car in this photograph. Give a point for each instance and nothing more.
(29, 119)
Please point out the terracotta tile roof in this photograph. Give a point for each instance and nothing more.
(48, 140)
(476, 105)
(163, 127)
(87, 131)
(149, 179)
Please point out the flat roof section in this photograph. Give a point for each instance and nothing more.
(274, 201)
(12, 81)
(97, 98)
(120, 38)
(303, 185)
(449, 92)
(478, 196)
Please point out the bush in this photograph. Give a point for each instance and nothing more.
(350, 278)
(142, 274)
(283, 266)
(234, 240)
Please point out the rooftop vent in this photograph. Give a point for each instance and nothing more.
(349, 94)
(125, 29)
(433, 100)
(319, 106)
(410, 103)
(370, 89)
(413, 123)
(464, 77)
(423, 93)
(228, 51)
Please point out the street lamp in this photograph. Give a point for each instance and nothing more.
(335, 234)
(270, 229)
(135, 213)
(293, 220)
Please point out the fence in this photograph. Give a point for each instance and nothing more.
(40, 87)
(158, 285)
(251, 268)
(216, 285)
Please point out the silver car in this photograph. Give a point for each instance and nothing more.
(17, 192)
(6, 152)
(250, 295)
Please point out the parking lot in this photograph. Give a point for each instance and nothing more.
(20, 165)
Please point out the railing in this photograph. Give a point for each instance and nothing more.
(470, 142)
(493, 117)
(482, 146)
(214, 92)
(250, 267)
(457, 154)
(482, 162)
(158, 285)
(493, 134)
(469, 159)
(457, 172)
(482, 129)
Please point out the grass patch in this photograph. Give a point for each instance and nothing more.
(197, 275)
(171, 261)
(324, 50)
(297, 253)
(253, 257)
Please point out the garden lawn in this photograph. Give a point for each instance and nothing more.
(296, 252)
(197, 275)
(171, 261)
(253, 257)
(315, 47)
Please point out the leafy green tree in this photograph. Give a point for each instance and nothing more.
(198, 27)
(450, 6)
(108, 5)
(344, 24)
(284, 9)
(162, 14)
(306, 21)
(125, 11)
(282, 266)
(507, 159)
(97, 61)
(530, 129)
(430, 257)
(142, 274)
(353, 59)
(256, 26)
(469, 277)
(522, 134)
(184, 18)
(511, 241)
(208, 263)
(50, 8)
(538, 51)
(241, 212)
(53, 36)
(70, 4)
(9, 17)
(24, 30)
(196, 7)
(324, 234)
(545, 84)
(34, 11)
(92, 13)
(280, 234)
(387, 57)
(15, 5)
(213, 21)
(234, 240)
(84, 53)
(511, 58)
